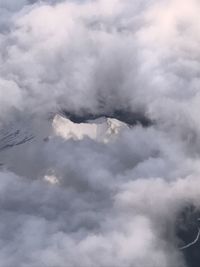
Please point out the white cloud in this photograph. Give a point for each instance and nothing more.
(82, 202)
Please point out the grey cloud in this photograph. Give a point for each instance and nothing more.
(114, 204)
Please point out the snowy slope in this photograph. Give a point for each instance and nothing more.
(14, 134)
(101, 130)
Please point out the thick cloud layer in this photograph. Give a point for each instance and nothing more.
(112, 204)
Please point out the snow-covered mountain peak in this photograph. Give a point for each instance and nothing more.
(101, 130)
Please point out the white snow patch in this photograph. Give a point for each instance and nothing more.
(99, 130)
(51, 179)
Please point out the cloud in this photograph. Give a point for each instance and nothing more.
(112, 204)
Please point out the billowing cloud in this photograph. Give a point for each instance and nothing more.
(87, 203)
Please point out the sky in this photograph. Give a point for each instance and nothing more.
(114, 204)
